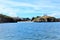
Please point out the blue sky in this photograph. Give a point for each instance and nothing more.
(30, 8)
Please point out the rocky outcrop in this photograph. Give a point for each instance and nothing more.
(44, 19)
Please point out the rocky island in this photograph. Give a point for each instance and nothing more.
(45, 19)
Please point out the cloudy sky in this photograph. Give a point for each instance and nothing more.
(30, 8)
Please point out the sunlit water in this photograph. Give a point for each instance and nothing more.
(30, 31)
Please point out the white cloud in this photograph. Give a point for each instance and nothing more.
(55, 14)
(16, 4)
(35, 6)
(7, 7)
(8, 11)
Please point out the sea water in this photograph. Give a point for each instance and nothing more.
(30, 31)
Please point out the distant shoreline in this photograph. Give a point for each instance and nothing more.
(45, 18)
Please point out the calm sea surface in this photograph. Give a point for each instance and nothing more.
(30, 31)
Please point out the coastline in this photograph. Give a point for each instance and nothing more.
(8, 19)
